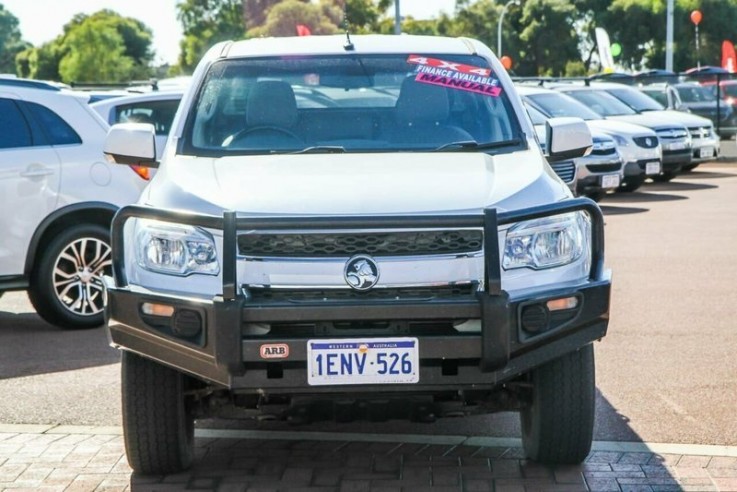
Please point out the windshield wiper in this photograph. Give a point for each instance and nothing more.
(465, 145)
(321, 149)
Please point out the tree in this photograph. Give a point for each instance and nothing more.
(102, 47)
(96, 53)
(284, 17)
(639, 26)
(42, 62)
(10, 41)
(205, 23)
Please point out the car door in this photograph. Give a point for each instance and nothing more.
(29, 182)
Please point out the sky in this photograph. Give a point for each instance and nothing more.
(43, 20)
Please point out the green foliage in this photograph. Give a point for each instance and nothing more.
(40, 63)
(283, 18)
(205, 23)
(640, 27)
(10, 41)
(102, 47)
(96, 53)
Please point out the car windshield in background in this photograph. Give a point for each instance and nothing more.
(656, 94)
(696, 94)
(561, 105)
(636, 100)
(373, 103)
(602, 103)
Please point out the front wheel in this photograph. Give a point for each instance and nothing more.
(665, 176)
(558, 425)
(158, 426)
(66, 283)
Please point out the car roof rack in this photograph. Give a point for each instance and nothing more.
(31, 84)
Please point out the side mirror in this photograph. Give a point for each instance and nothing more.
(132, 143)
(567, 138)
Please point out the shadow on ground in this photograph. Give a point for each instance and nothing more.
(30, 346)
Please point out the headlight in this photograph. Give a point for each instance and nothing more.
(548, 242)
(621, 141)
(175, 249)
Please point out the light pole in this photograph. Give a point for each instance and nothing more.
(499, 26)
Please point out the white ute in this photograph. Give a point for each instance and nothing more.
(355, 227)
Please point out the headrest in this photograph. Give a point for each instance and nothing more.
(422, 103)
(271, 103)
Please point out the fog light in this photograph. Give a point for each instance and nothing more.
(562, 304)
(152, 309)
(535, 318)
(187, 323)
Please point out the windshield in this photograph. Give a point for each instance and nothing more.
(555, 105)
(601, 102)
(657, 95)
(373, 103)
(696, 94)
(636, 99)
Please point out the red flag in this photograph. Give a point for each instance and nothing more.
(729, 59)
(303, 30)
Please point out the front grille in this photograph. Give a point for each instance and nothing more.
(672, 134)
(322, 245)
(349, 295)
(566, 170)
(604, 168)
(646, 142)
(700, 132)
(609, 151)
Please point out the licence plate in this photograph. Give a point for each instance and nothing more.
(652, 167)
(676, 146)
(363, 361)
(706, 152)
(610, 181)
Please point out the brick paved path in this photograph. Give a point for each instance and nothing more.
(66, 458)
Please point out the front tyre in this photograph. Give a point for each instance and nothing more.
(558, 426)
(66, 283)
(158, 426)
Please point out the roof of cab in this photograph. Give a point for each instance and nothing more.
(335, 44)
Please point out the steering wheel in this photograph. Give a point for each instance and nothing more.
(242, 134)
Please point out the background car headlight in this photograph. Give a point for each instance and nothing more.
(621, 141)
(548, 242)
(175, 249)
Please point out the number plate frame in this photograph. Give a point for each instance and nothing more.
(343, 361)
(706, 152)
(609, 181)
(652, 167)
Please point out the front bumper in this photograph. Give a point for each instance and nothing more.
(225, 353)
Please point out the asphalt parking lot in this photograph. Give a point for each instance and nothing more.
(666, 380)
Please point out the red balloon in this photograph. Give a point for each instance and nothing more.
(506, 62)
(696, 17)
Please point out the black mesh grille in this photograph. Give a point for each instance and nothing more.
(349, 295)
(604, 168)
(700, 132)
(609, 151)
(376, 244)
(565, 170)
(646, 142)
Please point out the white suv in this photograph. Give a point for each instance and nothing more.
(58, 196)
(355, 227)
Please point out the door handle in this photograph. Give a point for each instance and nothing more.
(37, 171)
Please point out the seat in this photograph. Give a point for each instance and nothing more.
(271, 114)
(422, 112)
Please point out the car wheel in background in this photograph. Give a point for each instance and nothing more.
(558, 425)
(665, 176)
(631, 183)
(66, 282)
(158, 426)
